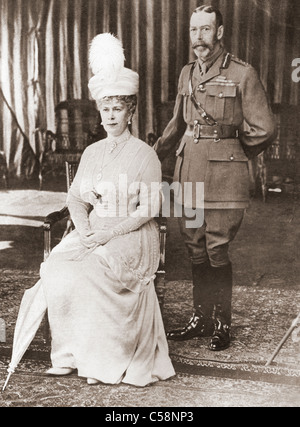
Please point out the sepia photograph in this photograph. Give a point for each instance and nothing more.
(150, 206)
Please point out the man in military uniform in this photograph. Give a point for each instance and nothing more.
(222, 118)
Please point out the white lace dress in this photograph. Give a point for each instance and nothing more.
(103, 311)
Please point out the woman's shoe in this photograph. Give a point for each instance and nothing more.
(59, 371)
(92, 381)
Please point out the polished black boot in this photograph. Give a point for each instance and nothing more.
(197, 326)
(222, 309)
(220, 339)
(200, 324)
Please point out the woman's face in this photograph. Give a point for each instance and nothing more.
(115, 116)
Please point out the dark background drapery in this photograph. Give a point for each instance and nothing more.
(44, 49)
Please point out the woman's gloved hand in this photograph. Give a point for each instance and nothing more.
(95, 238)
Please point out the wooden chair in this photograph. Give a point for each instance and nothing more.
(54, 217)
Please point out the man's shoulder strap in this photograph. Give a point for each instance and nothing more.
(226, 60)
(239, 61)
(228, 57)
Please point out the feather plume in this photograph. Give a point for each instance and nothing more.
(106, 56)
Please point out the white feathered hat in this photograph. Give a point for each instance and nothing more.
(111, 78)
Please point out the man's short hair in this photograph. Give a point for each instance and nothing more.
(211, 9)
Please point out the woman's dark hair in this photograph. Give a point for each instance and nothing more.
(211, 9)
(130, 101)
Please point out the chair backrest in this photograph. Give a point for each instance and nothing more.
(71, 169)
(77, 125)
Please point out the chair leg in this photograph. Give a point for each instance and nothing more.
(2, 330)
(47, 241)
(47, 249)
(159, 284)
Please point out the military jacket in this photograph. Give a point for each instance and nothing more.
(232, 94)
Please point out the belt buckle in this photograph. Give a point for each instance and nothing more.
(196, 132)
(216, 138)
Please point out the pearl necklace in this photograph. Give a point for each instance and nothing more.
(113, 145)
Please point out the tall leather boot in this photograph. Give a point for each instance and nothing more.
(200, 324)
(222, 308)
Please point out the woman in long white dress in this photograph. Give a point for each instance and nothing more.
(98, 281)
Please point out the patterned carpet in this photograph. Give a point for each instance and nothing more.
(266, 299)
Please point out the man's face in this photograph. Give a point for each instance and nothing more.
(205, 37)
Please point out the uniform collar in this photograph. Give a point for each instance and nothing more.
(210, 61)
(214, 64)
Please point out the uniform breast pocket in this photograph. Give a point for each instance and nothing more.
(221, 100)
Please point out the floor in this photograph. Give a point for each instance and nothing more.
(266, 300)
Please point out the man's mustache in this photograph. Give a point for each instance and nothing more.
(199, 44)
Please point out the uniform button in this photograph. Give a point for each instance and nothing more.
(201, 88)
(196, 141)
(231, 157)
(221, 95)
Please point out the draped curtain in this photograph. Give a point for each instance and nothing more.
(44, 56)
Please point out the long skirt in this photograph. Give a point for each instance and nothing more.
(99, 324)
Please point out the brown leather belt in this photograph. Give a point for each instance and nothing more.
(216, 132)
